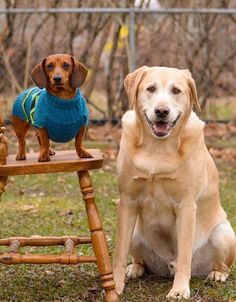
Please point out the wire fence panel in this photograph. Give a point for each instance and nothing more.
(111, 42)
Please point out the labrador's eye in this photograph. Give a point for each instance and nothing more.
(151, 89)
(66, 65)
(175, 90)
(50, 66)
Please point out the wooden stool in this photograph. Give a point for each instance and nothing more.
(63, 161)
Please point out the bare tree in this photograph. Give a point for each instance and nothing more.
(205, 44)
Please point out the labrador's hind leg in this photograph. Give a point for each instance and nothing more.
(137, 268)
(144, 259)
(223, 241)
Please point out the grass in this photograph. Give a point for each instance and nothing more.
(52, 205)
(229, 142)
(220, 109)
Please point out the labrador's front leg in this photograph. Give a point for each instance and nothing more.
(127, 214)
(185, 222)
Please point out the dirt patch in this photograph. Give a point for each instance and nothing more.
(220, 130)
(228, 154)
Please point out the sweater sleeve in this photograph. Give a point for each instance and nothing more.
(40, 113)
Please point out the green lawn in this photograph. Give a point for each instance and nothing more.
(52, 205)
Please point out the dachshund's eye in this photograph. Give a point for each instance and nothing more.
(175, 90)
(151, 89)
(50, 66)
(66, 65)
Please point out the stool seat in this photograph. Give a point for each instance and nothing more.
(62, 161)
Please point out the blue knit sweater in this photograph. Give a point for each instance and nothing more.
(62, 118)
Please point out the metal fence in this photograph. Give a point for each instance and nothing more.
(114, 41)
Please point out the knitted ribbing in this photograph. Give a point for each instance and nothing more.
(62, 118)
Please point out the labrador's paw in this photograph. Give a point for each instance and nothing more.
(120, 287)
(179, 293)
(218, 276)
(119, 278)
(135, 271)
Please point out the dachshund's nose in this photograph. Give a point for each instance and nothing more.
(162, 111)
(57, 78)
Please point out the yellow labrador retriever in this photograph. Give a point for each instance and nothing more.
(169, 215)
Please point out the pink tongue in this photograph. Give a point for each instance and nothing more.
(161, 128)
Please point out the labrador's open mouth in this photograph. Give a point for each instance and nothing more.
(161, 128)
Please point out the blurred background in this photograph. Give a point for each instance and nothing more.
(112, 44)
(112, 38)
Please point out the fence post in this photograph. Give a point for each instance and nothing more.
(132, 41)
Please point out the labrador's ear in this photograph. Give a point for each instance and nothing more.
(38, 75)
(132, 82)
(79, 73)
(192, 89)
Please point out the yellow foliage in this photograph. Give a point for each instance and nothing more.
(108, 46)
(124, 31)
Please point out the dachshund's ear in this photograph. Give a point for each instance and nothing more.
(79, 73)
(38, 75)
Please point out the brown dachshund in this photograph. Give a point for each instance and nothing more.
(55, 107)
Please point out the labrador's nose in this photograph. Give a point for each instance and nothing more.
(162, 111)
(57, 78)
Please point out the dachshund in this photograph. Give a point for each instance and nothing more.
(55, 108)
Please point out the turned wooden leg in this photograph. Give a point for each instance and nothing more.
(3, 155)
(98, 238)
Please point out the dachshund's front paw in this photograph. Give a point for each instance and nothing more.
(51, 152)
(43, 157)
(82, 153)
(20, 156)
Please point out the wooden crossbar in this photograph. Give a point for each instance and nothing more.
(45, 259)
(44, 240)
